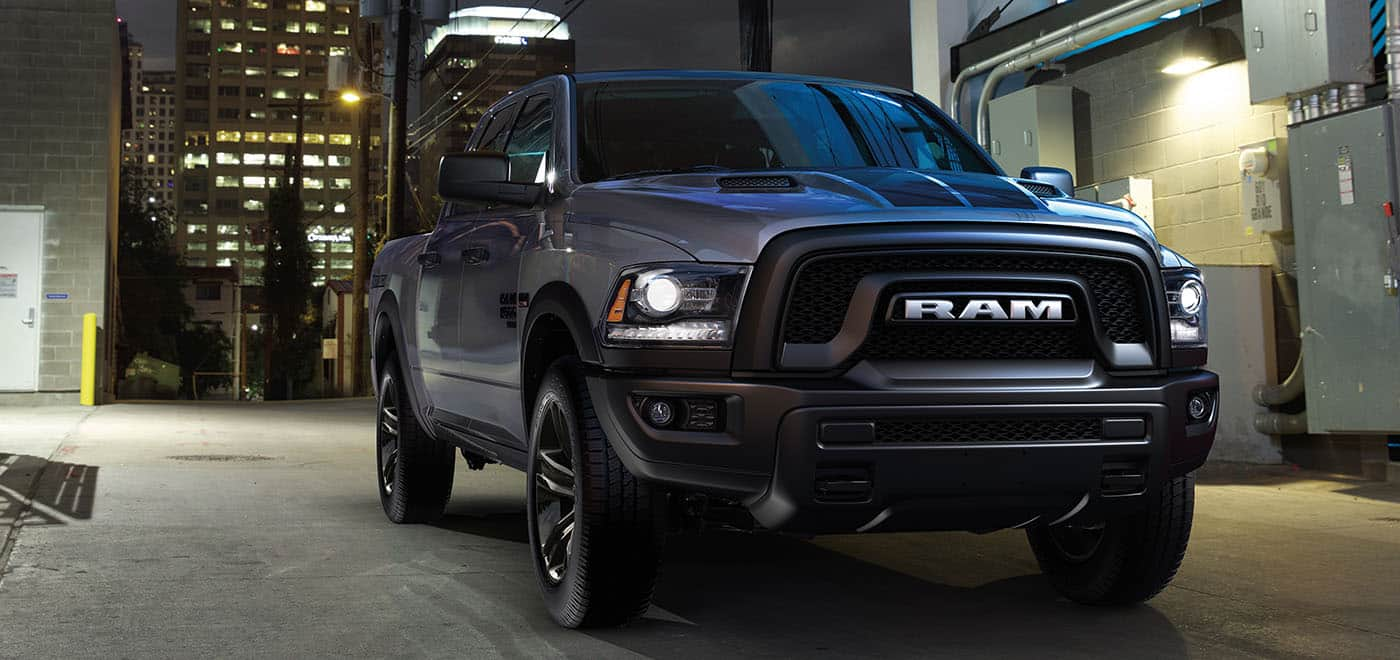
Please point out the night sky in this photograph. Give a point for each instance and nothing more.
(866, 40)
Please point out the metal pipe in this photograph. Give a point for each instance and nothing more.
(1276, 395)
(1281, 423)
(955, 93)
(1392, 49)
(1140, 13)
(1353, 96)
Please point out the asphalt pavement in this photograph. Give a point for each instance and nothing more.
(254, 530)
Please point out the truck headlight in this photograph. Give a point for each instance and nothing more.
(1186, 302)
(680, 304)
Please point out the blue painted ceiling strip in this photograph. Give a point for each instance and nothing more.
(1377, 27)
(1137, 28)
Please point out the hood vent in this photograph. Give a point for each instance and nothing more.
(766, 182)
(1040, 188)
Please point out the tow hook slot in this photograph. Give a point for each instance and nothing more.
(1123, 477)
(843, 484)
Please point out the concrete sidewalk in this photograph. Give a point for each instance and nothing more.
(255, 531)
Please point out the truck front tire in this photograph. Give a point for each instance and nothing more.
(1124, 561)
(596, 531)
(414, 469)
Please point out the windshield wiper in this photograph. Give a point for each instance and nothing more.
(676, 170)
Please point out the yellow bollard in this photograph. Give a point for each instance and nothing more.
(87, 392)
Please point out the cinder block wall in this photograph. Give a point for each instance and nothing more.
(57, 149)
(1183, 133)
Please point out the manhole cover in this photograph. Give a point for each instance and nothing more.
(220, 458)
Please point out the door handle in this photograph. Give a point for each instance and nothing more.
(429, 259)
(476, 255)
(29, 321)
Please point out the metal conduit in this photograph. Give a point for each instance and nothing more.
(1141, 12)
(974, 70)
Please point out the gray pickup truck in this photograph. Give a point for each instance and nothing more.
(795, 303)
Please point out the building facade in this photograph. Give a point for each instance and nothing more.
(60, 130)
(150, 145)
(480, 55)
(242, 68)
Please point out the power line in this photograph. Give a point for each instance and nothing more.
(416, 123)
(452, 112)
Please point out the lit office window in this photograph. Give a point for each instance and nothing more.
(254, 182)
(340, 207)
(226, 158)
(313, 27)
(313, 183)
(313, 160)
(340, 183)
(254, 205)
(315, 138)
(228, 136)
(339, 161)
(226, 246)
(315, 5)
(283, 72)
(253, 136)
(196, 160)
(340, 138)
(254, 159)
(282, 137)
(228, 24)
(196, 230)
(222, 181)
(196, 247)
(230, 230)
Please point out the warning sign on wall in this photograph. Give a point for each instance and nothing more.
(9, 285)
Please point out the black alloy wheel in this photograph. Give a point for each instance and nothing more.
(387, 435)
(554, 500)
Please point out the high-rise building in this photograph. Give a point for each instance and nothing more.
(150, 145)
(480, 55)
(242, 67)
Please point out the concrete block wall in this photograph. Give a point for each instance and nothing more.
(58, 139)
(1183, 133)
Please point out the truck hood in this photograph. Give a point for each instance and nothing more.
(730, 216)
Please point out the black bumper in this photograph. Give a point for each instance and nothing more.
(786, 450)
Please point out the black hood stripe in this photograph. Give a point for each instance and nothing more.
(910, 188)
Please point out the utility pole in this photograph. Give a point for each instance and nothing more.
(398, 124)
(756, 35)
(359, 264)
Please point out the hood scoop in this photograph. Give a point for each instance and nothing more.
(1041, 189)
(756, 182)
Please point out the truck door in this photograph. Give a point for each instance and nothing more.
(491, 318)
(442, 292)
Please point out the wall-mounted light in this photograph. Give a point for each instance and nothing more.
(1197, 48)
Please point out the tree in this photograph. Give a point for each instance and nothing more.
(287, 289)
(151, 304)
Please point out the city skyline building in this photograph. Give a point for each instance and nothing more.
(242, 67)
(150, 145)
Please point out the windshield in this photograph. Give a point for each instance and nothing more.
(642, 127)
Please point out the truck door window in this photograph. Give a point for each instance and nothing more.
(528, 147)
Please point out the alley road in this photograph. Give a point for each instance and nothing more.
(254, 531)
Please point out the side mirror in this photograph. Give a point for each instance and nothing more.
(482, 176)
(1055, 176)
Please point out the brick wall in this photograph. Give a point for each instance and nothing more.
(58, 59)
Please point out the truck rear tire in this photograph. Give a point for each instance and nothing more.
(596, 531)
(1124, 561)
(414, 469)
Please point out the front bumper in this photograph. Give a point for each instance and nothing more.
(773, 456)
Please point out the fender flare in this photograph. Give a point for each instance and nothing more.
(386, 319)
(561, 300)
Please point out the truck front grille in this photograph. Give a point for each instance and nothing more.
(824, 285)
(971, 431)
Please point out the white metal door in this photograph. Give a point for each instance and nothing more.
(20, 244)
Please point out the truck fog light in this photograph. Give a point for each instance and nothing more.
(1198, 407)
(660, 413)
